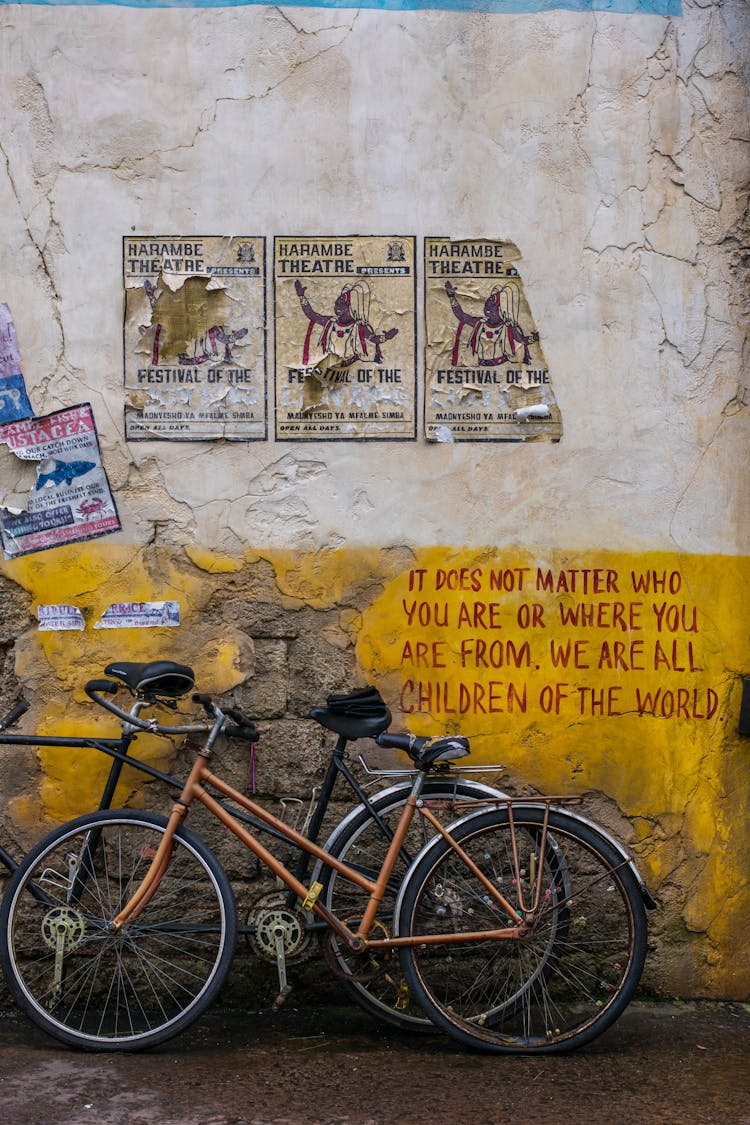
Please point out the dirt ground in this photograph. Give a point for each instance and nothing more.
(667, 1064)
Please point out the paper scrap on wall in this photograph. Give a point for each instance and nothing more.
(486, 378)
(345, 338)
(14, 401)
(195, 339)
(140, 615)
(60, 618)
(71, 500)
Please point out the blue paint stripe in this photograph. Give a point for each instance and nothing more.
(619, 7)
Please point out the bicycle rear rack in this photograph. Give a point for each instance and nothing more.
(451, 771)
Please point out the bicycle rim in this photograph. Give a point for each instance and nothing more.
(101, 990)
(561, 984)
(375, 980)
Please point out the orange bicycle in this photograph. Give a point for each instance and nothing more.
(521, 927)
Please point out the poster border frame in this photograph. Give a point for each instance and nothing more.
(414, 436)
(192, 437)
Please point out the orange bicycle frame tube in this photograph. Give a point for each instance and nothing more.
(194, 789)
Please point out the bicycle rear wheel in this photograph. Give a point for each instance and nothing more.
(100, 990)
(568, 977)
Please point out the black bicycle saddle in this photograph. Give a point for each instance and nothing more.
(356, 714)
(157, 678)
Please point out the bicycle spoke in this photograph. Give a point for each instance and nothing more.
(363, 846)
(85, 982)
(560, 980)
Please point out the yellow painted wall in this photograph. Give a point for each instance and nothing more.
(608, 673)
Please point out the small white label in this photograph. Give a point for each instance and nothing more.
(140, 615)
(60, 617)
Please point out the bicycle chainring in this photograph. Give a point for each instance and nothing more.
(271, 916)
(63, 927)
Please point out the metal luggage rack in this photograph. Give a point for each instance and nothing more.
(451, 771)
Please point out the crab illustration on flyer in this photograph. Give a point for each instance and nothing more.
(486, 378)
(345, 338)
(194, 338)
(71, 500)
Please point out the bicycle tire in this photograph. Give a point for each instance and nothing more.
(556, 988)
(359, 842)
(100, 990)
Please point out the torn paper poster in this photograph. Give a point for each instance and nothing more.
(140, 615)
(60, 617)
(72, 500)
(14, 402)
(345, 338)
(195, 338)
(486, 378)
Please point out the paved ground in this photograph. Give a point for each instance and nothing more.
(685, 1064)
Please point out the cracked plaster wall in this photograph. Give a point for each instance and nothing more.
(612, 150)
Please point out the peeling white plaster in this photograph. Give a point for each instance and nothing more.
(612, 149)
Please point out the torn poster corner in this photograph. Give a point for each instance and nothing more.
(59, 617)
(71, 500)
(441, 433)
(140, 615)
(14, 401)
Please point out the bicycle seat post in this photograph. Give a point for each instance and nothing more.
(129, 731)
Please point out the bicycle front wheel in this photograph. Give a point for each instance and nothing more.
(557, 984)
(97, 989)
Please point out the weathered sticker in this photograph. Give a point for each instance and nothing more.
(140, 615)
(60, 617)
(486, 378)
(195, 338)
(71, 500)
(14, 401)
(345, 362)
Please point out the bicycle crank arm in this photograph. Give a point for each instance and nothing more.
(284, 987)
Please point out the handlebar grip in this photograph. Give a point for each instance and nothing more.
(395, 741)
(109, 686)
(15, 713)
(205, 702)
(247, 732)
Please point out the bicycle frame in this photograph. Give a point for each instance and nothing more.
(119, 750)
(195, 789)
(116, 748)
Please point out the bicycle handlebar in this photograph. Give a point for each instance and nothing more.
(14, 714)
(239, 727)
(94, 688)
(410, 743)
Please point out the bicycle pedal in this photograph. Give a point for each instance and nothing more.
(281, 998)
